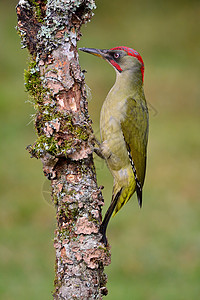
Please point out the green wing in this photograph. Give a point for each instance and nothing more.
(135, 126)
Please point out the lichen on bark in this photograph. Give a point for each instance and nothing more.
(50, 30)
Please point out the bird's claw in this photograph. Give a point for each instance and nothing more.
(93, 140)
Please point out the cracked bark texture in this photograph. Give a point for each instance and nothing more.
(50, 30)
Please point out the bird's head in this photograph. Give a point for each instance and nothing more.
(121, 58)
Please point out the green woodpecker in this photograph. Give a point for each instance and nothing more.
(124, 126)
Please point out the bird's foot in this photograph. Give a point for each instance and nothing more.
(92, 141)
(98, 152)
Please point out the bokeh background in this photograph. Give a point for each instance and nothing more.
(156, 250)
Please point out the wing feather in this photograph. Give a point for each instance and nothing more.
(135, 125)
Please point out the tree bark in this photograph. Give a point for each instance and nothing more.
(50, 30)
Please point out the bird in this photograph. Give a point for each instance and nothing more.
(124, 127)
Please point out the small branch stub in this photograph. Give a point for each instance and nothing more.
(50, 30)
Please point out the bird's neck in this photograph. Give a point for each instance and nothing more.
(129, 81)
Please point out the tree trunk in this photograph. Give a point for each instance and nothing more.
(50, 30)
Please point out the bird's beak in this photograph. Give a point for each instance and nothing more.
(97, 52)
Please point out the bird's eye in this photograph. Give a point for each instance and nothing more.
(116, 55)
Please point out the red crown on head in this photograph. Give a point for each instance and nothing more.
(134, 53)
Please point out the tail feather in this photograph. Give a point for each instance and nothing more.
(126, 193)
(108, 215)
(124, 187)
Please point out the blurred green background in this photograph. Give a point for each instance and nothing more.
(156, 250)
